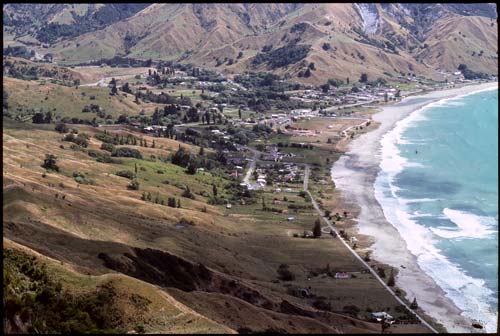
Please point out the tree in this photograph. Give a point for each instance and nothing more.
(114, 90)
(202, 151)
(317, 229)
(38, 118)
(191, 169)
(414, 304)
(134, 185)
(363, 78)
(239, 113)
(61, 128)
(391, 282)
(214, 190)
(347, 80)
(284, 273)
(48, 117)
(50, 162)
(187, 193)
(386, 97)
(325, 87)
(307, 73)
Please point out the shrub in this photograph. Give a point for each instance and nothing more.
(322, 305)
(284, 273)
(80, 178)
(127, 152)
(125, 173)
(50, 162)
(187, 193)
(81, 139)
(107, 147)
(134, 185)
(61, 128)
(289, 54)
(351, 310)
(106, 138)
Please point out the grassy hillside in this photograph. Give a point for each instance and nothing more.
(108, 303)
(100, 226)
(68, 101)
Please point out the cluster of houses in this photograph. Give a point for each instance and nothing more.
(272, 153)
(287, 174)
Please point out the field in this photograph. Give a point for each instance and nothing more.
(243, 242)
(65, 101)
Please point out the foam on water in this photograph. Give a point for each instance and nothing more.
(468, 293)
(468, 226)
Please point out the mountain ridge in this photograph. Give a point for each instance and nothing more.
(346, 39)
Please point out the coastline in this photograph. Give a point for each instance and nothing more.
(354, 174)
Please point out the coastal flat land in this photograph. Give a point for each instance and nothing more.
(359, 167)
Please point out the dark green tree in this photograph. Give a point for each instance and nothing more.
(317, 228)
(50, 162)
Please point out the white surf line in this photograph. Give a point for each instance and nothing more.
(318, 210)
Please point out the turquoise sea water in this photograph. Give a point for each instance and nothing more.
(438, 185)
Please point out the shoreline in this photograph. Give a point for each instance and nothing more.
(359, 167)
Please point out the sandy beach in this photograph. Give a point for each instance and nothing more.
(354, 175)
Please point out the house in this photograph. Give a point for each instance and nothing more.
(341, 275)
(379, 316)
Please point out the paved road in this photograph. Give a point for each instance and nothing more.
(338, 107)
(320, 212)
(251, 167)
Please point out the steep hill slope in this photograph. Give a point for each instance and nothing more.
(343, 40)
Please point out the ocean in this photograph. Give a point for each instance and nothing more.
(438, 185)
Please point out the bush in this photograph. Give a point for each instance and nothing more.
(50, 162)
(351, 310)
(81, 139)
(134, 185)
(61, 128)
(289, 54)
(127, 152)
(107, 147)
(187, 193)
(125, 173)
(43, 306)
(322, 305)
(106, 138)
(284, 273)
(80, 178)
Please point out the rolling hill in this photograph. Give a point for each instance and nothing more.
(342, 40)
